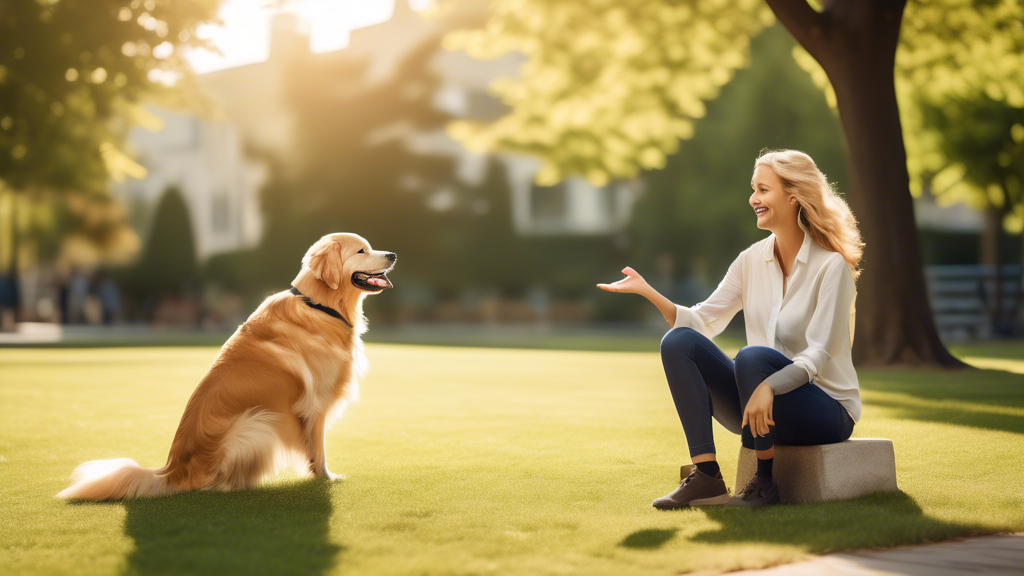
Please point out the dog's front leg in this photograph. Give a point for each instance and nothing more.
(316, 449)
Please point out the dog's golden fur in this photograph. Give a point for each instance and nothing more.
(276, 386)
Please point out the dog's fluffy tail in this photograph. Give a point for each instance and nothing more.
(249, 450)
(117, 479)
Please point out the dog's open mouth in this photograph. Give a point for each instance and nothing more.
(372, 281)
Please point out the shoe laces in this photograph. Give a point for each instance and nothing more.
(752, 486)
(690, 476)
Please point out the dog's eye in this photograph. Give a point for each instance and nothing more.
(361, 251)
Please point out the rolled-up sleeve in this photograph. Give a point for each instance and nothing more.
(829, 328)
(788, 379)
(711, 316)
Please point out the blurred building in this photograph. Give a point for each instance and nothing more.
(207, 158)
(216, 162)
(958, 218)
(572, 207)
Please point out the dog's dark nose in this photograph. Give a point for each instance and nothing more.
(391, 256)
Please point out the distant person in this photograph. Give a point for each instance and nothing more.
(110, 297)
(78, 291)
(8, 303)
(794, 383)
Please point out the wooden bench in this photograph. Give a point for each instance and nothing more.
(849, 469)
(962, 299)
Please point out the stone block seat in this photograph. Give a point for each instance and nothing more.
(849, 469)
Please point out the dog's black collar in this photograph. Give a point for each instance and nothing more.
(321, 307)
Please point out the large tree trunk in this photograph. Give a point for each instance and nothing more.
(855, 42)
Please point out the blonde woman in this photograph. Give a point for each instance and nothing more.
(794, 383)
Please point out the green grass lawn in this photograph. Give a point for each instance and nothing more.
(477, 461)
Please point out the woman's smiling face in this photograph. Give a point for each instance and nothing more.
(772, 205)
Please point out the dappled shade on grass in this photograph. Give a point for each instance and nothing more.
(989, 399)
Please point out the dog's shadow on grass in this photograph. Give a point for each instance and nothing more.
(282, 529)
(874, 521)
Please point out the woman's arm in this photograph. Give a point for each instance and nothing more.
(709, 317)
(634, 283)
(664, 305)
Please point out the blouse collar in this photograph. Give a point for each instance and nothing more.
(805, 248)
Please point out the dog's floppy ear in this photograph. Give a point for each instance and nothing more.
(324, 261)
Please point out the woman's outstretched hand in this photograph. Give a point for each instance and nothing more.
(633, 283)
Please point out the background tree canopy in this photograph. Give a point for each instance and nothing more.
(168, 264)
(353, 170)
(610, 87)
(454, 239)
(960, 79)
(72, 75)
(694, 209)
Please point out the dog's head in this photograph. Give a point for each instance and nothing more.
(344, 260)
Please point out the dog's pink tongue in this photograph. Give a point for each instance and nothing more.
(377, 281)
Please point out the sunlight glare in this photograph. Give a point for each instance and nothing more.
(244, 37)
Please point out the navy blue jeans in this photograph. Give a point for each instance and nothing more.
(705, 382)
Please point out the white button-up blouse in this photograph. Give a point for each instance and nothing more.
(811, 324)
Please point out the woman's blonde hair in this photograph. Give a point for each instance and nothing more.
(823, 212)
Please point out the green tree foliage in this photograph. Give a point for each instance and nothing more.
(168, 263)
(960, 78)
(73, 77)
(66, 228)
(72, 73)
(608, 88)
(478, 242)
(965, 124)
(978, 143)
(696, 210)
(982, 155)
(354, 171)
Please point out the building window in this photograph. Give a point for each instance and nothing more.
(549, 205)
(221, 215)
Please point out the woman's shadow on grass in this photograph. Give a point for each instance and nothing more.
(272, 530)
(874, 521)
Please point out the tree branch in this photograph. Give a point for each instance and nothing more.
(803, 22)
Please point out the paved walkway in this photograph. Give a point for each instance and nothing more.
(987, 555)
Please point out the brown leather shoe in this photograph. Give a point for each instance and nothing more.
(697, 489)
(758, 493)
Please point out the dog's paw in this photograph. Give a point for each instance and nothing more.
(328, 475)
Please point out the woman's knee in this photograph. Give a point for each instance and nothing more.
(755, 363)
(752, 356)
(679, 341)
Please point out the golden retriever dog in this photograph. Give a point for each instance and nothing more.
(278, 383)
